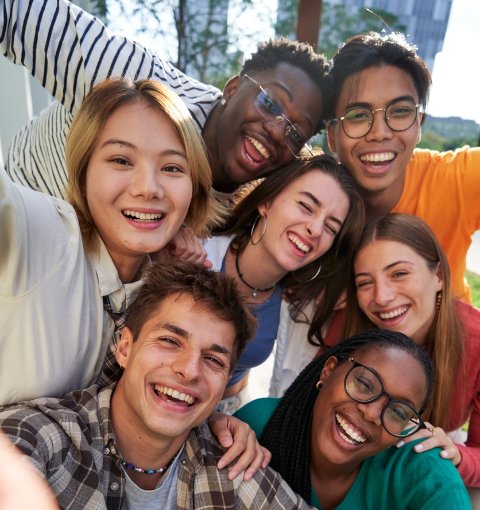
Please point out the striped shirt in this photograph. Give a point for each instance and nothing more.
(72, 442)
(69, 51)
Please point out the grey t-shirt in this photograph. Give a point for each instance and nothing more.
(164, 497)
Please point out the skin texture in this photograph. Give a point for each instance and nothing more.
(390, 275)
(335, 461)
(138, 164)
(234, 159)
(182, 346)
(391, 278)
(381, 183)
(311, 211)
(19, 475)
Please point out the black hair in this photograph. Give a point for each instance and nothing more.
(363, 51)
(281, 50)
(288, 432)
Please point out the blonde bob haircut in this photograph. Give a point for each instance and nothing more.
(102, 101)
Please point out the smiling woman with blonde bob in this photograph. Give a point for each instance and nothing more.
(137, 171)
(401, 282)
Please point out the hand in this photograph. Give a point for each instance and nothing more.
(18, 474)
(434, 437)
(185, 245)
(241, 442)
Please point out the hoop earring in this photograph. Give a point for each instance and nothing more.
(253, 229)
(438, 300)
(319, 384)
(309, 279)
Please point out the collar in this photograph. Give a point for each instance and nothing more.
(121, 295)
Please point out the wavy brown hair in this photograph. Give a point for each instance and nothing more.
(445, 338)
(332, 279)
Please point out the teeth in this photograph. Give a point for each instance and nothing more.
(393, 313)
(296, 241)
(378, 157)
(260, 147)
(142, 216)
(174, 394)
(350, 435)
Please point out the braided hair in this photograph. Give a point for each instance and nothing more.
(288, 432)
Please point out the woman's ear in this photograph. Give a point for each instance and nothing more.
(124, 347)
(263, 208)
(329, 367)
(439, 277)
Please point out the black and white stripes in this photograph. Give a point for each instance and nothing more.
(68, 51)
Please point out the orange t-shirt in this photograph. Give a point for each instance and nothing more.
(443, 189)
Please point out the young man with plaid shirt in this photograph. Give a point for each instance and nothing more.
(143, 442)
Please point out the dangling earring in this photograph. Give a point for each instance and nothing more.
(309, 279)
(439, 300)
(253, 229)
(319, 384)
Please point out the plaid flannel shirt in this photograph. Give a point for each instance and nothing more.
(72, 442)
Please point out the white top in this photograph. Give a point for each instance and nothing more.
(54, 332)
(68, 51)
(293, 350)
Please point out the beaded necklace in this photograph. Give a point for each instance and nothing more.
(128, 465)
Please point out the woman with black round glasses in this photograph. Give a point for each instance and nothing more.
(332, 435)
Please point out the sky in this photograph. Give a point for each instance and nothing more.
(456, 72)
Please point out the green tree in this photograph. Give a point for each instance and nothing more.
(200, 29)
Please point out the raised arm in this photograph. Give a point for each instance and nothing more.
(68, 51)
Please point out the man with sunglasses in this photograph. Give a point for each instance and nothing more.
(260, 123)
(379, 90)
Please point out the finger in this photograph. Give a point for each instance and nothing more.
(249, 457)
(256, 464)
(207, 264)
(421, 434)
(451, 453)
(267, 457)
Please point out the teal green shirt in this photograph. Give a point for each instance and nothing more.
(395, 479)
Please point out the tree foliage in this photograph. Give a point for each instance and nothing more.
(198, 29)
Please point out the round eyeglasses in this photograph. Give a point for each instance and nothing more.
(358, 121)
(363, 385)
(272, 111)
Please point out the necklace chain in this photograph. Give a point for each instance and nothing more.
(254, 290)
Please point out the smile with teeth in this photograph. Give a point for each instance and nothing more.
(138, 216)
(259, 146)
(377, 157)
(296, 241)
(393, 313)
(347, 431)
(173, 394)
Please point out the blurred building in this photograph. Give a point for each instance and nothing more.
(425, 21)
